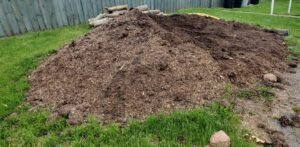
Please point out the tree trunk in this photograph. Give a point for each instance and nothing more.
(142, 7)
(116, 8)
(101, 15)
(151, 11)
(100, 22)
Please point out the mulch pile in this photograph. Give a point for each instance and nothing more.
(142, 64)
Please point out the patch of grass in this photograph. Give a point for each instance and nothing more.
(21, 54)
(297, 109)
(228, 91)
(181, 128)
(260, 92)
(264, 92)
(266, 21)
(246, 94)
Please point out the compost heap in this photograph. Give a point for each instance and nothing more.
(141, 64)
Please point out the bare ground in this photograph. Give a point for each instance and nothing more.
(265, 120)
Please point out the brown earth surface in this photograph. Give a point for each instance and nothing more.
(141, 64)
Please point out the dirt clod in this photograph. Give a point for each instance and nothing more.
(140, 64)
(285, 121)
(293, 65)
(277, 138)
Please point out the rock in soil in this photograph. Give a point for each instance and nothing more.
(140, 64)
(220, 139)
(270, 78)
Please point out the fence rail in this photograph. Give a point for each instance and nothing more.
(20, 16)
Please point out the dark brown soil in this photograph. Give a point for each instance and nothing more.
(285, 121)
(293, 121)
(141, 64)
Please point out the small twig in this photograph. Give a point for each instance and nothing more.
(121, 67)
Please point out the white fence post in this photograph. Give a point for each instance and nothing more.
(272, 7)
(290, 6)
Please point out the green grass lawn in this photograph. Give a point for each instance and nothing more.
(281, 7)
(20, 54)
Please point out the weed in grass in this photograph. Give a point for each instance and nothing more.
(261, 92)
(50, 52)
(275, 117)
(228, 91)
(229, 94)
(264, 92)
(246, 94)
